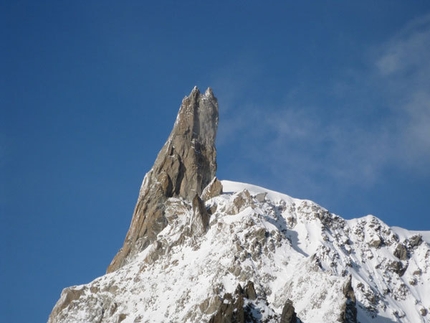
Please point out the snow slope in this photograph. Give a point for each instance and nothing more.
(289, 248)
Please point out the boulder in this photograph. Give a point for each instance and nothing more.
(415, 240)
(213, 189)
(401, 252)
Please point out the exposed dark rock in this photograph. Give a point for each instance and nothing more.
(375, 242)
(397, 267)
(184, 167)
(415, 240)
(349, 314)
(200, 217)
(233, 310)
(249, 291)
(230, 310)
(288, 313)
(239, 290)
(401, 252)
(213, 189)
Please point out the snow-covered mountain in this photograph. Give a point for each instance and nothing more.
(222, 251)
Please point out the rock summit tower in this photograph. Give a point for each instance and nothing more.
(184, 167)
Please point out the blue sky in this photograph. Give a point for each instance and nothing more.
(324, 100)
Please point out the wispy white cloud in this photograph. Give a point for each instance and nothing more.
(403, 66)
(382, 120)
(406, 51)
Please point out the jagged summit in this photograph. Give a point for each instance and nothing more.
(184, 167)
(203, 250)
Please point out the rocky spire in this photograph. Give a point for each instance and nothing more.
(184, 167)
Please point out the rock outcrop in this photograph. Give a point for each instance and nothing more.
(200, 217)
(401, 252)
(244, 306)
(349, 314)
(184, 167)
(288, 313)
(213, 189)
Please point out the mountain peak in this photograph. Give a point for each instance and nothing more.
(203, 250)
(209, 93)
(184, 167)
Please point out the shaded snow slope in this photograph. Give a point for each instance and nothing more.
(289, 248)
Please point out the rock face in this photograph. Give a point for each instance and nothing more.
(244, 306)
(184, 167)
(288, 313)
(349, 314)
(213, 189)
(200, 217)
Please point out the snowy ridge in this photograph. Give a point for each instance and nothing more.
(289, 248)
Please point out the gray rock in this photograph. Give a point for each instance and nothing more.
(401, 252)
(241, 201)
(349, 314)
(261, 197)
(288, 313)
(397, 267)
(184, 167)
(375, 242)
(200, 218)
(213, 189)
(233, 308)
(415, 240)
(230, 310)
(249, 291)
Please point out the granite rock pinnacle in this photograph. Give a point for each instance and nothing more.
(184, 167)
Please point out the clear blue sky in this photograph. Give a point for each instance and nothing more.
(324, 100)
